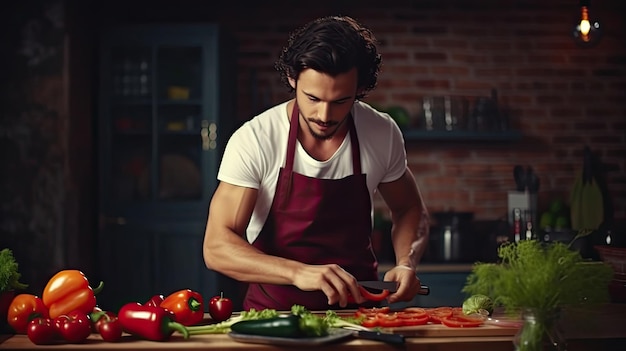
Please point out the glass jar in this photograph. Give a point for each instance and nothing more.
(541, 331)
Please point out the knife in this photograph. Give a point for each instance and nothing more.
(391, 286)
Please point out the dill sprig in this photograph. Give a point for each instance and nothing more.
(541, 276)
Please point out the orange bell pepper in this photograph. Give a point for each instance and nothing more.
(23, 309)
(186, 305)
(69, 290)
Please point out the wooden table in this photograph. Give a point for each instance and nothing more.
(603, 328)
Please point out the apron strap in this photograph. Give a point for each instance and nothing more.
(293, 136)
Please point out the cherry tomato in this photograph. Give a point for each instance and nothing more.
(220, 308)
(98, 317)
(41, 331)
(457, 321)
(110, 329)
(23, 309)
(74, 327)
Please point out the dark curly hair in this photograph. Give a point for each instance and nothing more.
(332, 45)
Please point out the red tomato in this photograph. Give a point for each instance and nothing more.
(74, 327)
(389, 320)
(98, 316)
(110, 329)
(41, 331)
(370, 322)
(419, 320)
(220, 308)
(437, 313)
(412, 312)
(457, 321)
(371, 312)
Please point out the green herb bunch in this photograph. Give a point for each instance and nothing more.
(541, 276)
(9, 274)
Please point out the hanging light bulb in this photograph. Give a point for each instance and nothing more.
(587, 32)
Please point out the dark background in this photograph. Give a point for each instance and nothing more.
(559, 95)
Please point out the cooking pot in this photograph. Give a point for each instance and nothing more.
(450, 237)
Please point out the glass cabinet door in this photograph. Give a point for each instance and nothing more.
(157, 124)
(131, 124)
(179, 120)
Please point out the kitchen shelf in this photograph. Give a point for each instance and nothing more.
(461, 135)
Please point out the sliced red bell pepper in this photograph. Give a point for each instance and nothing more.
(149, 322)
(187, 306)
(69, 290)
(23, 309)
(368, 295)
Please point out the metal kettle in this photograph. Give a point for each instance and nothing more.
(451, 231)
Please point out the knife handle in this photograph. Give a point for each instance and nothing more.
(424, 290)
(384, 337)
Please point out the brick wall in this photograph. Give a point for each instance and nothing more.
(562, 97)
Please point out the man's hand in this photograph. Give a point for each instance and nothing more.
(409, 284)
(332, 280)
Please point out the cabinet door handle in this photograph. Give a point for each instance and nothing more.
(208, 133)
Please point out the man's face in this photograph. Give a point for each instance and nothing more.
(325, 101)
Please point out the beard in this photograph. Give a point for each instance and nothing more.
(332, 126)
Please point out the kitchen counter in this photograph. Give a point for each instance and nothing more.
(599, 329)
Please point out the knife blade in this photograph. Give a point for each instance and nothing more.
(391, 286)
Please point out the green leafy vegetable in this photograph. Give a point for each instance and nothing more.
(540, 276)
(310, 324)
(478, 303)
(9, 274)
(335, 321)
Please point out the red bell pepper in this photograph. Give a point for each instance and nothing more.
(370, 296)
(155, 300)
(23, 309)
(187, 306)
(149, 322)
(69, 290)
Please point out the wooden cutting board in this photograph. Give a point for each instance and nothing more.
(507, 328)
(438, 330)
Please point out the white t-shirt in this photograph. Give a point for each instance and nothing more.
(257, 150)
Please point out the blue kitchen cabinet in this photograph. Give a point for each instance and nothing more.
(166, 109)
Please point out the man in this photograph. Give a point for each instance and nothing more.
(292, 215)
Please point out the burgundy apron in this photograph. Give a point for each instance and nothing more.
(315, 221)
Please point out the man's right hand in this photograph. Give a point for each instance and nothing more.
(336, 283)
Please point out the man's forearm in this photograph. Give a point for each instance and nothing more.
(410, 236)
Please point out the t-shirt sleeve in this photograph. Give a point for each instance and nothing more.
(241, 159)
(397, 157)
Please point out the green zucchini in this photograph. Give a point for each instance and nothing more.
(286, 326)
